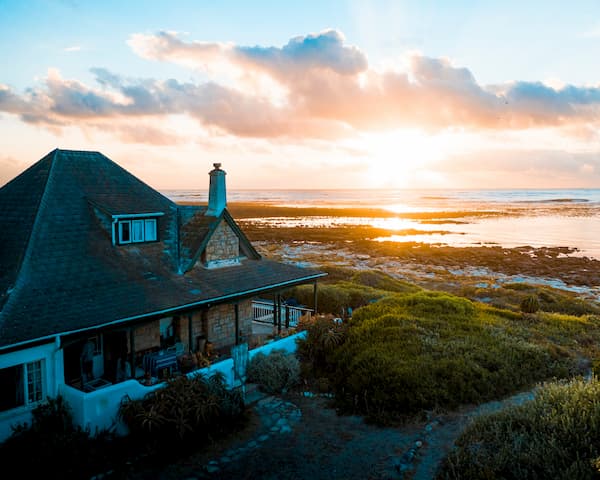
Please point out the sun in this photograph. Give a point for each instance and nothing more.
(401, 159)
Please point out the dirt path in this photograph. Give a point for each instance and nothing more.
(322, 445)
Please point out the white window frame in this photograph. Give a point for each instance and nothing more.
(121, 223)
(154, 224)
(34, 374)
(31, 373)
(148, 225)
(137, 227)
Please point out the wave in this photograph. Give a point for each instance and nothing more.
(556, 200)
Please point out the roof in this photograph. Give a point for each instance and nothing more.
(60, 273)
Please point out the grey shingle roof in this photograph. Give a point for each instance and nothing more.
(59, 271)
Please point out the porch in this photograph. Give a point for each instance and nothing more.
(98, 408)
(162, 348)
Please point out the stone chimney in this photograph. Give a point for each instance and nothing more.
(217, 198)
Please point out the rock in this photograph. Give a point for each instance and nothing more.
(286, 429)
(418, 444)
(252, 444)
(225, 459)
(263, 438)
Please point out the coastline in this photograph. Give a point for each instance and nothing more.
(428, 264)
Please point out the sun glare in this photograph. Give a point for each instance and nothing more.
(403, 156)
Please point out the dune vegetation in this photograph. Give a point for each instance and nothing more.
(407, 351)
(556, 435)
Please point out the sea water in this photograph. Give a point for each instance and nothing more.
(509, 218)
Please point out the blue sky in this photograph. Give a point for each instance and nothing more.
(459, 57)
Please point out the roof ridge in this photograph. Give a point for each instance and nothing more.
(26, 258)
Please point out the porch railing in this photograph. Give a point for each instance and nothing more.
(263, 311)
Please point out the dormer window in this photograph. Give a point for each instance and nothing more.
(135, 228)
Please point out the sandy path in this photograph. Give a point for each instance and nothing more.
(323, 445)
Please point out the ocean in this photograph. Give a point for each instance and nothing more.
(508, 218)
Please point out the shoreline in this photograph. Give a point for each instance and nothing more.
(355, 246)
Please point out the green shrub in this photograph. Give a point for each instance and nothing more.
(383, 281)
(338, 297)
(556, 435)
(323, 336)
(274, 373)
(51, 446)
(409, 353)
(195, 409)
(530, 304)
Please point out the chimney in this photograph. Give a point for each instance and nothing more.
(217, 199)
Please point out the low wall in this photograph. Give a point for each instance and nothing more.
(98, 410)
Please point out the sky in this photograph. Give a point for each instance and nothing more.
(326, 94)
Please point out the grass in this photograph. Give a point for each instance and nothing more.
(404, 354)
(556, 435)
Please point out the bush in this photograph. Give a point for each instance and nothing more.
(323, 336)
(382, 281)
(274, 373)
(530, 304)
(53, 447)
(407, 354)
(556, 435)
(196, 409)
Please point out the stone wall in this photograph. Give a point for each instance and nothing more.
(216, 324)
(147, 336)
(223, 245)
(221, 323)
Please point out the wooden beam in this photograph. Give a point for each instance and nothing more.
(237, 323)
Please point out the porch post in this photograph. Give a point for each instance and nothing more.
(190, 339)
(278, 313)
(237, 323)
(274, 311)
(132, 353)
(315, 298)
(287, 316)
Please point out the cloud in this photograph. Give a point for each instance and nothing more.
(9, 168)
(73, 48)
(326, 87)
(520, 168)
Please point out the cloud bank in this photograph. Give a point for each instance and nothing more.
(314, 87)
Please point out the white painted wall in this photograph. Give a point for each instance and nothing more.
(99, 409)
(52, 376)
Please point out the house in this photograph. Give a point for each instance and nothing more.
(103, 279)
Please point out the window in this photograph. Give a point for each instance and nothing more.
(137, 231)
(150, 230)
(22, 385)
(124, 234)
(167, 332)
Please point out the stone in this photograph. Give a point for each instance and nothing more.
(286, 429)
(212, 468)
(252, 444)
(225, 459)
(263, 438)
(418, 444)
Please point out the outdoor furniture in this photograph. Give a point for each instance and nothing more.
(96, 384)
(156, 363)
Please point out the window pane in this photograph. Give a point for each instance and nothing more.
(137, 231)
(11, 393)
(124, 236)
(150, 230)
(34, 381)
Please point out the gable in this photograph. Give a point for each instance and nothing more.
(223, 248)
